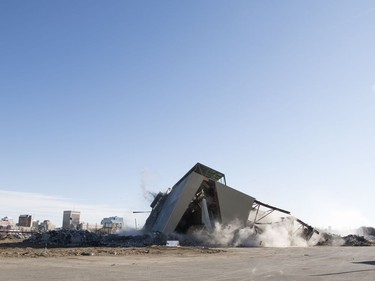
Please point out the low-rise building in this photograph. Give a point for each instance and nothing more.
(46, 225)
(71, 219)
(112, 224)
(6, 223)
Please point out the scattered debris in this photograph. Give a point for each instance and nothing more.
(356, 240)
(367, 232)
(228, 236)
(81, 238)
(28, 252)
(328, 239)
(65, 238)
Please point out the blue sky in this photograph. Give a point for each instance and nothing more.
(98, 99)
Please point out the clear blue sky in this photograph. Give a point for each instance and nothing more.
(98, 98)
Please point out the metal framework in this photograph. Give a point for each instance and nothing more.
(205, 171)
(307, 230)
(256, 206)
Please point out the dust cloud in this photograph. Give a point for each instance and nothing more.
(284, 233)
(147, 179)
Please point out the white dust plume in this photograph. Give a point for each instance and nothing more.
(284, 233)
(147, 179)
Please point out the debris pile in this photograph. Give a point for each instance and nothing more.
(356, 240)
(242, 238)
(65, 238)
(79, 238)
(367, 232)
(328, 239)
(143, 240)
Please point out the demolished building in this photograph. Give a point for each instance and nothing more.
(201, 199)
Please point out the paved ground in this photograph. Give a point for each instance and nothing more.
(292, 264)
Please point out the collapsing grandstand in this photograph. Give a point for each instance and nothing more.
(201, 199)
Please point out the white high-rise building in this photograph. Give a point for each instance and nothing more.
(71, 219)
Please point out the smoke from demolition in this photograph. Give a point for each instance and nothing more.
(201, 209)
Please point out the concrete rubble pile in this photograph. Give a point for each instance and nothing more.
(356, 240)
(367, 232)
(65, 238)
(79, 238)
(75, 238)
(329, 239)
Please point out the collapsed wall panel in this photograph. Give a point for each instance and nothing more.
(177, 202)
(234, 205)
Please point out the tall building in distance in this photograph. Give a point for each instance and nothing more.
(25, 220)
(71, 219)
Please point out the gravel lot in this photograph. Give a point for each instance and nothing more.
(162, 263)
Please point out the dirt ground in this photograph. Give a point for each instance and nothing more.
(19, 262)
(17, 249)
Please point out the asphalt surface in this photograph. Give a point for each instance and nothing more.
(292, 264)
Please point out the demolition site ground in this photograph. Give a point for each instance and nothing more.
(20, 262)
(70, 255)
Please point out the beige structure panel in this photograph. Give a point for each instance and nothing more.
(177, 202)
(234, 205)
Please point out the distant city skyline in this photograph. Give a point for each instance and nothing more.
(43, 207)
